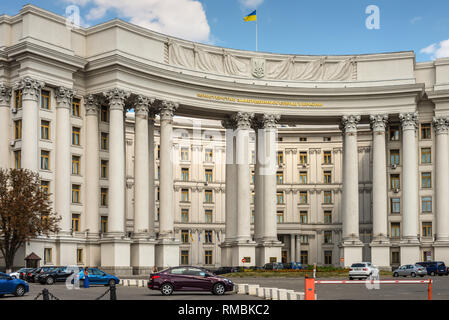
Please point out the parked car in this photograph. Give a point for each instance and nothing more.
(16, 274)
(23, 272)
(223, 270)
(434, 267)
(10, 285)
(97, 276)
(188, 278)
(412, 270)
(33, 274)
(57, 275)
(273, 266)
(362, 270)
(292, 265)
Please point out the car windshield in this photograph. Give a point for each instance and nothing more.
(358, 265)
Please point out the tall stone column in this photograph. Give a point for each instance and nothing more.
(441, 245)
(265, 232)
(380, 246)
(142, 250)
(167, 249)
(151, 170)
(231, 193)
(409, 243)
(31, 90)
(115, 247)
(92, 179)
(5, 100)
(351, 246)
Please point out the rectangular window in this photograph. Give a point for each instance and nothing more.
(327, 257)
(104, 141)
(280, 157)
(426, 180)
(184, 154)
(45, 160)
(185, 195)
(280, 217)
(104, 169)
(208, 216)
(48, 255)
(45, 187)
(185, 174)
(209, 155)
(327, 177)
(426, 204)
(304, 257)
(426, 155)
(158, 151)
(76, 165)
(303, 158)
(208, 175)
(394, 133)
(104, 114)
(394, 157)
(45, 99)
(76, 193)
(76, 136)
(327, 157)
(280, 197)
(18, 159)
(395, 181)
(45, 130)
(79, 256)
(279, 177)
(327, 197)
(395, 257)
(304, 239)
(104, 224)
(185, 236)
(327, 237)
(303, 197)
(208, 196)
(427, 229)
(302, 139)
(208, 257)
(395, 230)
(18, 129)
(327, 217)
(395, 205)
(76, 107)
(303, 217)
(426, 131)
(18, 99)
(208, 236)
(104, 197)
(75, 222)
(303, 177)
(185, 215)
(184, 257)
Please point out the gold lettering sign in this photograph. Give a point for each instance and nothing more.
(256, 101)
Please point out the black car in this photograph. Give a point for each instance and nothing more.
(223, 270)
(57, 275)
(273, 266)
(32, 276)
(434, 267)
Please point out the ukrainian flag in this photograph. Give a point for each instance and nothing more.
(251, 17)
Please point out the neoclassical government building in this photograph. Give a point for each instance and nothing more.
(160, 151)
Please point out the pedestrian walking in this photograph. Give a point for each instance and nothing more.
(86, 277)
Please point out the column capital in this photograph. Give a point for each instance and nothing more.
(229, 123)
(31, 88)
(349, 123)
(5, 95)
(378, 122)
(441, 125)
(116, 98)
(409, 120)
(91, 104)
(243, 119)
(142, 105)
(168, 109)
(64, 97)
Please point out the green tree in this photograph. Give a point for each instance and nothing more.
(25, 211)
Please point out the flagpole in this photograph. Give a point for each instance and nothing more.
(256, 33)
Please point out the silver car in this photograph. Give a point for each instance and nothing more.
(412, 270)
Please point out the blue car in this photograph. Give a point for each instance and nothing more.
(9, 285)
(97, 276)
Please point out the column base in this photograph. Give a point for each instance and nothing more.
(380, 254)
(115, 255)
(142, 256)
(167, 253)
(409, 252)
(350, 252)
(441, 251)
(268, 251)
(226, 254)
(240, 250)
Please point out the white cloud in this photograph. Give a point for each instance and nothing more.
(251, 3)
(415, 20)
(440, 50)
(180, 18)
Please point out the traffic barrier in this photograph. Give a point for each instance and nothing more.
(310, 285)
(267, 293)
(252, 289)
(274, 294)
(282, 294)
(241, 288)
(261, 292)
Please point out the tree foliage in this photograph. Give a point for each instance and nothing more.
(25, 211)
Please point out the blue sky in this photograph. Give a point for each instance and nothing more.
(318, 27)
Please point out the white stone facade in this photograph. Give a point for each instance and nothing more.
(362, 149)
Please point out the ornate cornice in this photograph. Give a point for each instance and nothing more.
(243, 119)
(168, 109)
(378, 122)
(441, 125)
(31, 88)
(116, 98)
(64, 97)
(92, 104)
(409, 120)
(349, 124)
(5, 95)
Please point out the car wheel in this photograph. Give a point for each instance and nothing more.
(350, 278)
(219, 289)
(440, 274)
(395, 274)
(413, 274)
(111, 282)
(50, 281)
(432, 273)
(166, 289)
(20, 291)
(421, 275)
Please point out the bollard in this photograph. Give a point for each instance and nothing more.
(112, 291)
(45, 294)
(430, 289)
(310, 289)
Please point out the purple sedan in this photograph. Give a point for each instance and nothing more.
(188, 278)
